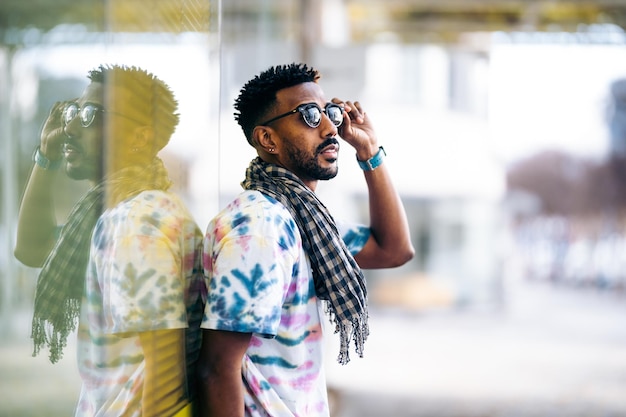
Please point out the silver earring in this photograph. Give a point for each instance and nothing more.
(272, 149)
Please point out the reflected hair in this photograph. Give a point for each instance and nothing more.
(258, 96)
(155, 99)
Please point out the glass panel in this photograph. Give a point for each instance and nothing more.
(47, 50)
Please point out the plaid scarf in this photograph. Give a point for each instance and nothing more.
(61, 281)
(337, 277)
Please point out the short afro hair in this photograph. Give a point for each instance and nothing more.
(258, 96)
(155, 99)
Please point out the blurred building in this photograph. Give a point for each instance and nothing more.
(444, 82)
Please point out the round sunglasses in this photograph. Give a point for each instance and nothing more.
(312, 114)
(86, 114)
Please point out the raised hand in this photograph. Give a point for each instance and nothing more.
(357, 129)
(52, 133)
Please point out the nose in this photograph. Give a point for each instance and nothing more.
(329, 128)
(72, 129)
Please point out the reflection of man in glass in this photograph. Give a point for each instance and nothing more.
(124, 262)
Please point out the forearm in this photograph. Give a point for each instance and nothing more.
(388, 221)
(36, 222)
(390, 242)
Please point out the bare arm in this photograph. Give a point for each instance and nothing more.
(164, 378)
(221, 387)
(390, 242)
(36, 220)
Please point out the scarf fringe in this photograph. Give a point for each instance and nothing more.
(356, 329)
(44, 332)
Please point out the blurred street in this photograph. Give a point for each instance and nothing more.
(549, 352)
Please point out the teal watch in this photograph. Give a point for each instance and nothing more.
(374, 162)
(44, 162)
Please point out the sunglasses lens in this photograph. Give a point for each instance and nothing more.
(87, 114)
(312, 115)
(69, 113)
(335, 114)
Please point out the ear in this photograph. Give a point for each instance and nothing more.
(142, 136)
(264, 138)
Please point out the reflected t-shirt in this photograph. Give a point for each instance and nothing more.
(140, 277)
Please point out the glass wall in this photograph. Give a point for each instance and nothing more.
(502, 136)
(46, 52)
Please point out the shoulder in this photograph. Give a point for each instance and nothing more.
(153, 203)
(253, 207)
(151, 210)
(253, 213)
(252, 200)
(157, 200)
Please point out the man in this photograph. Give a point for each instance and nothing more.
(124, 263)
(275, 252)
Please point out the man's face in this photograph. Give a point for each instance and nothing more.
(106, 145)
(83, 149)
(310, 153)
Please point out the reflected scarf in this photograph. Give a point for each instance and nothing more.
(337, 277)
(61, 281)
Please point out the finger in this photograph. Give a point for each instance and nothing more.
(346, 126)
(56, 112)
(354, 112)
(59, 135)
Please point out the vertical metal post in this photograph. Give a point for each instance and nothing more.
(8, 270)
(307, 29)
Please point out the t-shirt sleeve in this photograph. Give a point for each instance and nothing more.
(354, 236)
(249, 261)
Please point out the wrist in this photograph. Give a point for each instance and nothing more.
(373, 162)
(43, 162)
(51, 152)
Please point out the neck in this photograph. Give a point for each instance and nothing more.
(273, 159)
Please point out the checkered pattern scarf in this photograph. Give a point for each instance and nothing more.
(61, 281)
(337, 277)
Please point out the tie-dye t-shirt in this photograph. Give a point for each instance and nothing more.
(140, 277)
(260, 282)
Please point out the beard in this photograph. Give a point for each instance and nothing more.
(84, 167)
(83, 158)
(306, 164)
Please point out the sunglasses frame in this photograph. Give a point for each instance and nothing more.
(303, 107)
(97, 108)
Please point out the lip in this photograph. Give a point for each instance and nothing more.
(71, 152)
(331, 151)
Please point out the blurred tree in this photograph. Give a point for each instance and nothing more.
(571, 186)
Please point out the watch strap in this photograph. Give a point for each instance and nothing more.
(44, 162)
(374, 162)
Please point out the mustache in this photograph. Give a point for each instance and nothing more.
(327, 142)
